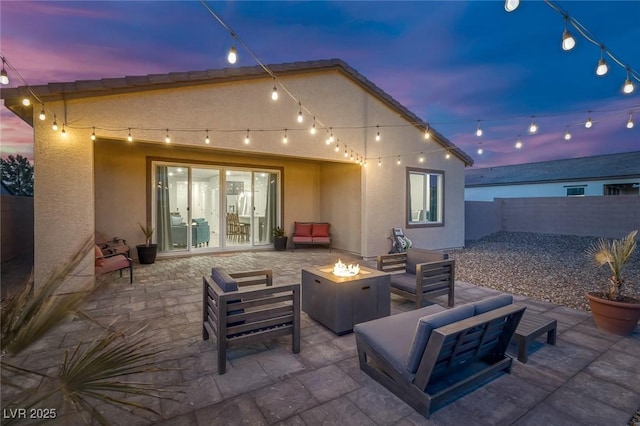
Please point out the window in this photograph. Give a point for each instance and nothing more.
(425, 205)
(575, 191)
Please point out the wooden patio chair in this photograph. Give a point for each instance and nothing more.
(242, 317)
(450, 351)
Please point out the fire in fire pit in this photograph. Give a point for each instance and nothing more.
(342, 270)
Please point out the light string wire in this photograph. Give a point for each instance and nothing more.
(590, 38)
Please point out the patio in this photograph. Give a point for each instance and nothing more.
(588, 377)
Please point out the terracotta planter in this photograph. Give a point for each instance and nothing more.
(618, 318)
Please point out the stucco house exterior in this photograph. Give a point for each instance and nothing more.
(187, 189)
(612, 174)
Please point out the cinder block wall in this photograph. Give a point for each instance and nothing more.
(16, 215)
(606, 216)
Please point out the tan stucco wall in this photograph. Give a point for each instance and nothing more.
(64, 195)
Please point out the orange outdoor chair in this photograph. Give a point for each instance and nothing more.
(111, 262)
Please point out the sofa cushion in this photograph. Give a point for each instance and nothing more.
(404, 281)
(321, 240)
(426, 325)
(98, 254)
(320, 230)
(391, 336)
(297, 239)
(302, 229)
(491, 303)
(224, 280)
(416, 255)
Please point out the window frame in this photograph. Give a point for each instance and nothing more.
(409, 224)
(575, 187)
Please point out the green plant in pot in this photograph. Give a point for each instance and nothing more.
(147, 252)
(612, 310)
(279, 239)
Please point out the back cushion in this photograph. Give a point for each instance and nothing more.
(98, 255)
(491, 303)
(320, 230)
(302, 229)
(224, 280)
(415, 256)
(426, 325)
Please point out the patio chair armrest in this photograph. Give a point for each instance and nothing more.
(391, 262)
(258, 277)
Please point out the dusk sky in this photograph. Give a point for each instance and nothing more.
(451, 63)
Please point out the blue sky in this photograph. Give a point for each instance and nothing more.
(452, 63)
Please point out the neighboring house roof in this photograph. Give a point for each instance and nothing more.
(624, 165)
(110, 86)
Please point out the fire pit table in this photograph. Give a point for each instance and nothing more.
(340, 302)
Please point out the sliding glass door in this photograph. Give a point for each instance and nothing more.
(200, 208)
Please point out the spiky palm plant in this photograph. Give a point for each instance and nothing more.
(91, 373)
(615, 254)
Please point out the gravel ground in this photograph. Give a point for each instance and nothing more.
(551, 268)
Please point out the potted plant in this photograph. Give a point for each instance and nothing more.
(147, 252)
(612, 310)
(279, 239)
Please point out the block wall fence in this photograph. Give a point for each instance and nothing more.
(605, 216)
(17, 226)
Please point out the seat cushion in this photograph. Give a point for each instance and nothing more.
(302, 229)
(297, 239)
(320, 230)
(426, 325)
(321, 240)
(113, 263)
(491, 303)
(391, 336)
(224, 280)
(404, 281)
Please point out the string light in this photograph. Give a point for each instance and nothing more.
(568, 42)
(337, 148)
(589, 123)
(232, 57)
(54, 126)
(602, 67)
(331, 138)
(518, 143)
(351, 158)
(511, 5)
(64, 132)
(379, 161)
(480, 150)
(346, 154)
(478, 130)
(4, 77)
(206, 138)
(313, 127)
(398, 161)
(300, 118)
(26, 101)
(447, 155)
(628, 85)
(167, 139)
(630, 122)
(533, 127)
(378, 134)
(42, 115)
(421, 157)
(274, 93)
(129, 137)
(567, 134)
(246, 138)
(93, 134)
(427, 132)
(285, 139)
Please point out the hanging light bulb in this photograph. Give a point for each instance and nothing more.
(518, 143)
(206, 138)
(300, 117)
(337, 148)
(64, 132)
(246, 138)
(568, 42)
(427, 132)
(478, 130)
(313, 127)
(285, 139)
(398, 161)
(54, 126)
(602, 67)
(567, 134)
(351, 155)
(378, 134)
(511, 5)
(129, 137)
(232, 57)
(274, 93)
(346, 154)
(26, 101)
(331, 138)
(628, 84)
(42, 115)
(379, 161)
(4, 77)
(533, 127)
(447, 155)
(630, 122)
(589, 123)
(480, 151)
(167, 139)
(421, 158)
(93, 134)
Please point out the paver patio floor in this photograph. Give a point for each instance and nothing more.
(587, 378)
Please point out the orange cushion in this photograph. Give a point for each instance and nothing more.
(99, 258)
(320, 230)
(302, 229)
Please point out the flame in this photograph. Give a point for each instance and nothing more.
(342, 270)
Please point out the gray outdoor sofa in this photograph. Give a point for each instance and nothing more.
(433, 355)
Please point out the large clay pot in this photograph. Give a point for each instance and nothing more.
(147, 253)
(618, 318)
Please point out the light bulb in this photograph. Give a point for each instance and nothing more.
(313, 129)
(602, 67)
(246, 138)
(379, 161)
(568, 42)
(54, 126)
(427, 133)
(518, 144)
(628, 86)
(300, 117)
(479, 131)
(346, 154)
(398, 161)
(331, 138)
(480, 151)
(64, 132)
(285, 139)
(232, 57)
(42, 115)
(533, 127)
(378, 137)
(630, 122)
(447, 155)
(589, 123)
(129, 137)
(421, 158)
(567, 134)
(26, 101)
(167, 139)
(4, 78)
(274, 94)
(337, 148)
(206, 138)
(511, 5)
(93, 134)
